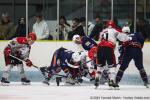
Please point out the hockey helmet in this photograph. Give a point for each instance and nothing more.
(32, 36)
(76, 39)
(126, 29)
(110, 23)
(76, 57)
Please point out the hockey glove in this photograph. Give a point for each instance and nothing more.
(7, 51)
(28, 62)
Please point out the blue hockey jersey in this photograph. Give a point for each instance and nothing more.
(87, 43)
(64, 56)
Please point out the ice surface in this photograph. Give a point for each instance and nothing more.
(130, 89)
(38, 91)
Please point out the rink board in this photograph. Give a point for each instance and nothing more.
(41, 54)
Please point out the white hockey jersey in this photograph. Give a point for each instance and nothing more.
(109, 36)
(19, 47)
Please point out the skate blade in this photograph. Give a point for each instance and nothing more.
(23, 83)
(45, 83)
(70, 83)
(57, 83)
(116, 88)
(5, 84)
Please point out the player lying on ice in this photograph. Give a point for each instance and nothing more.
(70, 63)
(131, 50)
(18, 48)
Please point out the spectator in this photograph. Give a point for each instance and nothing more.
(130, 23)
(90, 25)
(64, 28)
(40, 27)
(97, 28)
(76, 29)
(83, 23)
(21, 28)
(7, 28)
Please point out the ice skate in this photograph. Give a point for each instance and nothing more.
(116, 86)
(25, 81)
(111, 84)
(80, 80)
(146, 85)
(4, 82)
(46, 81)
(58, 80)
(96, 82)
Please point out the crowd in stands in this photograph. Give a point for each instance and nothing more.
(65, 30)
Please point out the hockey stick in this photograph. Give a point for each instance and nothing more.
(64, 76)
(87, 62)
(36, 66)
(22, 60)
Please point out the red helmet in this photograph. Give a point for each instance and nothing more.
(110, 23)
(32, 36)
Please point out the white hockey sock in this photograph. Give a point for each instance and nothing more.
(99, 72)
(21, 70)
(112, 73)
(7, 70)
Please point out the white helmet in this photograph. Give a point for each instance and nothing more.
(126, 29)
(76, 38)
(76, 57)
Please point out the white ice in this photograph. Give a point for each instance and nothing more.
(39, 91)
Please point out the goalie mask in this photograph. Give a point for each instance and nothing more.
(76, 57)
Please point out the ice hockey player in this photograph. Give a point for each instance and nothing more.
(132, 50)
(86, 42)
(63, 59)
(105, 52)
(18, 48)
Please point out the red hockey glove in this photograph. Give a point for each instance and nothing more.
(29, 63)
(7, 51)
